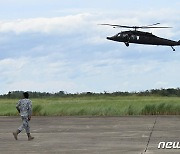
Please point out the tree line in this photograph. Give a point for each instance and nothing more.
(153, 92)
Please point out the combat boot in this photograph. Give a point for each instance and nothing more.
(30, 137)
(16, 134)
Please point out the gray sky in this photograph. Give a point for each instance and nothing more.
(58, 45)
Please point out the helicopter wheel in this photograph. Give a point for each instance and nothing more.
(126, 43)
(173, 48)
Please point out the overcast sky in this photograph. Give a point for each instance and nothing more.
(54, 45)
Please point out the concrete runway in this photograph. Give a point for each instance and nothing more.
(91, 135)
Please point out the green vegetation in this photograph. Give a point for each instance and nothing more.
(97, 105)
(153, 92)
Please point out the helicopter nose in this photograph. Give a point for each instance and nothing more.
(109, 38)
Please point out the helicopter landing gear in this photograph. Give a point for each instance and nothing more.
(173, 48)
(126, 43)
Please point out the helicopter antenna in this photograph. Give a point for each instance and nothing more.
(135, 27)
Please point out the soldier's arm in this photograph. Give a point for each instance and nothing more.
(17, 106)
(30, 110)
(18, 109)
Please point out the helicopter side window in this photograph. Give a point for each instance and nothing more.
(134, 37)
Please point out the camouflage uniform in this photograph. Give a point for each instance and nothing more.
(25, 108)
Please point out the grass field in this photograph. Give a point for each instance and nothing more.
(97, 106)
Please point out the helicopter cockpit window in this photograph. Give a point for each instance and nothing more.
(124, 35)
(118, 35)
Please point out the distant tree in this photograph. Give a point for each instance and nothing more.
(153, 92)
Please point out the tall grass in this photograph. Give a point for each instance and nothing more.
(161, 109)
(98, 106)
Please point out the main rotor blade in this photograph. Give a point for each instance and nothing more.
(122, 26)
(117, 26)
(135, 27)
(146, 27)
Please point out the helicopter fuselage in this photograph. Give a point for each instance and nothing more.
(140, 37)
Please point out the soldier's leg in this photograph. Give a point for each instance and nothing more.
(23, 126)
(26, 125)
(19, 129)
(27, 128)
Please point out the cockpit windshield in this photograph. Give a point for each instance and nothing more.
(122, 35)
(118, 35)
(129, 36)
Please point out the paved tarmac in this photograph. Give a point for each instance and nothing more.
(91, 135)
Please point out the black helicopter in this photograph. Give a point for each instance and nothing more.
(140, 37)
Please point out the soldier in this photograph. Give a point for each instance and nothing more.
(24, 107)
